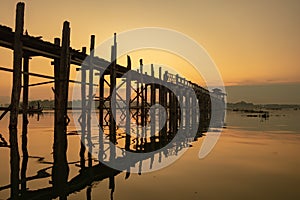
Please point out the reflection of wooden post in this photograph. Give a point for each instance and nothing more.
(83, 115)
(15, 100)
(90, 100)
(25, 122)
(60, 167)
(89, 193)
(112, 186)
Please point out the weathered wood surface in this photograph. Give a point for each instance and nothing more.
(60, 168)
(15, 100)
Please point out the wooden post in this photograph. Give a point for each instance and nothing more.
(25, 122)
(60, 169)
(142, 97)
(209, 108)
(56, 64)
(15, 100)
(112, 122)
(137, 98)
(160, 99)
(137, 109)
(165, 105)
(145, 102)
(153, 113)
(90, 100)
(83, 115)
(171, 111)
(180, 109)
(201, 112)
(128, 99)
(101, 115)
(178, 100)
(187, 111)
(183, 104)
(194, 112)
(197, 110)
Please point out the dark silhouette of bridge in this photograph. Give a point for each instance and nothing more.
(183, 105)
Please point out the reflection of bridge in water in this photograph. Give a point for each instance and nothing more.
(187, 112)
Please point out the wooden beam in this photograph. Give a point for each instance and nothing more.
(41, 83)
(6, 110)
(41, 75)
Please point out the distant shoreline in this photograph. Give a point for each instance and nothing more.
(246, 105)
(49, 105)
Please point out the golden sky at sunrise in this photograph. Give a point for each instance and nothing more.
(251, 42)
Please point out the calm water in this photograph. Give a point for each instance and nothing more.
(253, 159)
(281, 121)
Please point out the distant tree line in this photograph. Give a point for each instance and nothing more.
(246, 105)
(48, 104)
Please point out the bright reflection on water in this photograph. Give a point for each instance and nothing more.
(254, 159)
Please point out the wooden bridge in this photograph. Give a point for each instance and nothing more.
(142, 92)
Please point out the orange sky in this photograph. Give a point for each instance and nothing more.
(251, 42)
